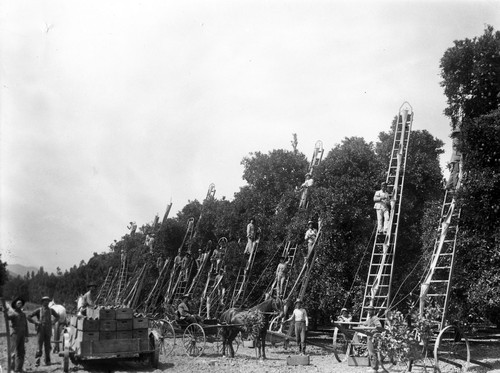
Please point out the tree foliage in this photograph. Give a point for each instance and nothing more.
(471, 73)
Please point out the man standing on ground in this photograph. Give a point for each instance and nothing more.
(19, 335)
(301, 324)
(44, 329)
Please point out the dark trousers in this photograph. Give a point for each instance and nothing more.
(18, 347)
(44, 335)
(300, 335)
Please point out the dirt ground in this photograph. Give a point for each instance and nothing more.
(322, 360)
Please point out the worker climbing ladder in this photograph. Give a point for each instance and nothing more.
(241, 284)
(378, 283)
(315, 161)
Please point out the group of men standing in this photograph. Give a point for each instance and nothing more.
(44, 319)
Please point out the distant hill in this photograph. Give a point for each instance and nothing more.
(19, 270)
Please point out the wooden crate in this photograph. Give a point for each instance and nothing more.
(124, 334)
(140, 323)
(140, 333)
(87, 336)
(124, 313)
(111, 346)
(104, 314)
(88, 325)
(124, 324)
(107, 325)
(107, 335)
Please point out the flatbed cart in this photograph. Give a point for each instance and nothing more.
(81, 342)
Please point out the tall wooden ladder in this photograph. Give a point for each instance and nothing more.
(302, 280)
(122, 279)
(106, 286)
(378, 283)
(435, 289)
(151, 302)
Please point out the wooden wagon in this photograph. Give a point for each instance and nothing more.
(109, 334)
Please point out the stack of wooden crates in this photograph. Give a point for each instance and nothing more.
(110, 330)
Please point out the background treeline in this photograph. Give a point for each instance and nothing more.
(342, 196)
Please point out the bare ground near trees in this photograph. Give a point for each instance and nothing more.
(321, 360)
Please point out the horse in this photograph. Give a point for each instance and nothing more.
(254, 321)
(59, 324)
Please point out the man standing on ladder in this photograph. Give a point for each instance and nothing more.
(454, 164)
(250, 236)
(310, 237)
(382, 205)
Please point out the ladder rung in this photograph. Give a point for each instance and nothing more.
(440, 281)
(436, 295)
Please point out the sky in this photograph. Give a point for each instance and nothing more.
(110, 109)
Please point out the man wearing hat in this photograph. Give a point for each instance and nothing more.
(19, 335)
(344, 316)
(44, 329)
(184, 312)
(88, 299)
(301, 323)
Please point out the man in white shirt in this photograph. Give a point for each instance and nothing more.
(310, 237)
(382, 206)
(301, 323)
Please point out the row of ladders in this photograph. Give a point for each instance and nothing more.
(378, 283)
(435, 289)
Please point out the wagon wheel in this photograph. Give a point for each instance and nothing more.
(154, 344)
(166, 336)
(194, 339)
(340, 345)
(451, 350)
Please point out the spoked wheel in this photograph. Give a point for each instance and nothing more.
(340, 345)
(194, 340)
(451, 350)
(166, 336)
